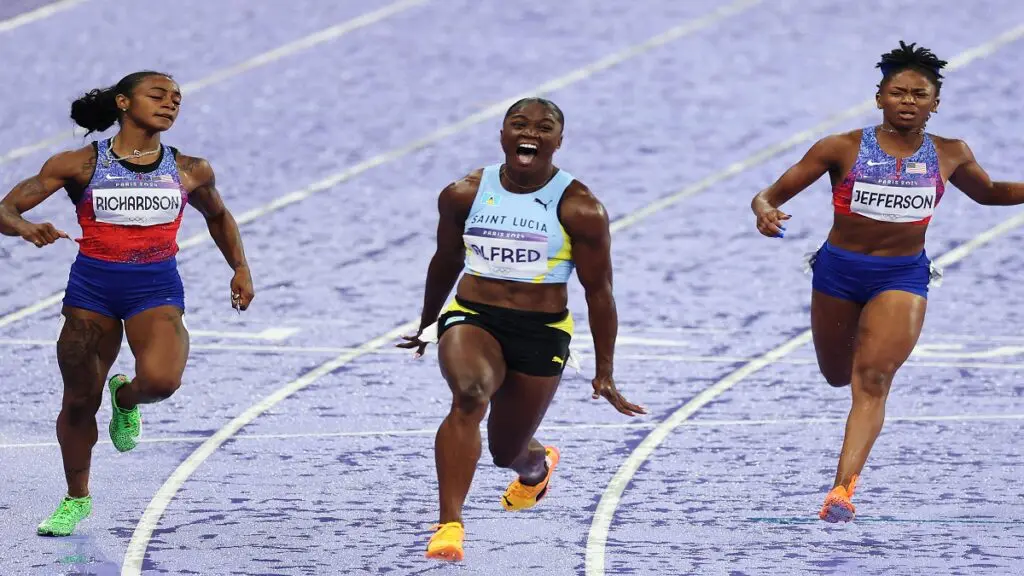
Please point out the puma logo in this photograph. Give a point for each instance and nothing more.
(542, 203)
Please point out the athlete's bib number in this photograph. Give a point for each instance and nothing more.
(136, 206)
(893, 203)
(512, 255)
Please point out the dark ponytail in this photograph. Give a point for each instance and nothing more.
(97, 109)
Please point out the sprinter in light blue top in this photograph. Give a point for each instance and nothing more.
(509, 237)
(518, 236)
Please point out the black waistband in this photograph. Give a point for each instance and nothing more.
(531, 315)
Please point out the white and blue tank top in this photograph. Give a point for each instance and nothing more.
(518, 237)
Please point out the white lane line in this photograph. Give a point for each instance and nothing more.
(38, 14)
(151, 516)
(649, 357)
(546, 428)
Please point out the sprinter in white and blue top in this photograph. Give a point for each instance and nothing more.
(517, 230)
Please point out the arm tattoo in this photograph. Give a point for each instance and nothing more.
(32, 188)
(189, 164)
(88, 169)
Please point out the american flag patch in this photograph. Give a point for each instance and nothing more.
(917, 168)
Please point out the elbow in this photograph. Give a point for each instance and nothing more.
(599, 293)
(217, 219)
(986, 199)
(448, 263)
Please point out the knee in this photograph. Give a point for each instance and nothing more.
(836, 373)
(161, 387)
(872, 381)
(837, 379)
(471, 396)
(502, 458)
(80, 407)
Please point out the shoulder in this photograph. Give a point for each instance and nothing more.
(73, 158)
(459, 195)
(833, 150)
(839, 143)
(194, 171)
(580, 210)
(78, 164)
(952, 147)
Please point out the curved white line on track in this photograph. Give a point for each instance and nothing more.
(40, 13)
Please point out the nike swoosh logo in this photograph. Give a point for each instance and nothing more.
(870, 163)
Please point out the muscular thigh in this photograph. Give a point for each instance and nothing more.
(87, 346)
(471, 360)
(889, 329)
(158, 340)
(834, 325)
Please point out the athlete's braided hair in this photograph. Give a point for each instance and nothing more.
(97, 109)
(520, 104)
(908, 57)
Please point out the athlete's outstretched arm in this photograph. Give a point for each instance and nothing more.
(586, 222)
(29, 193)
(815, 163)
(453, 205)
(201, 182)
(972, 180)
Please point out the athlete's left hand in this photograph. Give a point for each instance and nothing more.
(241, 288)
(604, 386)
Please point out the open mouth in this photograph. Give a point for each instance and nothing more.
(907, 114)
(167, 116)
(526, 152)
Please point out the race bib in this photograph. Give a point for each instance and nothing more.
(893, 203)
(136, 206)
(512, 255)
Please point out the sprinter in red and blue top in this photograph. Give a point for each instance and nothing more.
(130, 192)
(870, 278)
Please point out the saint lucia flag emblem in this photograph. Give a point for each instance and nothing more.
(491, 200)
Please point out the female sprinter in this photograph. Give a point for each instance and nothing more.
(129, 193)
(870, 278)
(518, 228)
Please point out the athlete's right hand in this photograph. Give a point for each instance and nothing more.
(769, 222)
(42, 234)
(414, 342)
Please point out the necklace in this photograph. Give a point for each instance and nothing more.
(135, 153)
(891, 131)
(503, 172)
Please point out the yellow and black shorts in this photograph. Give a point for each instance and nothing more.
(533, 343)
